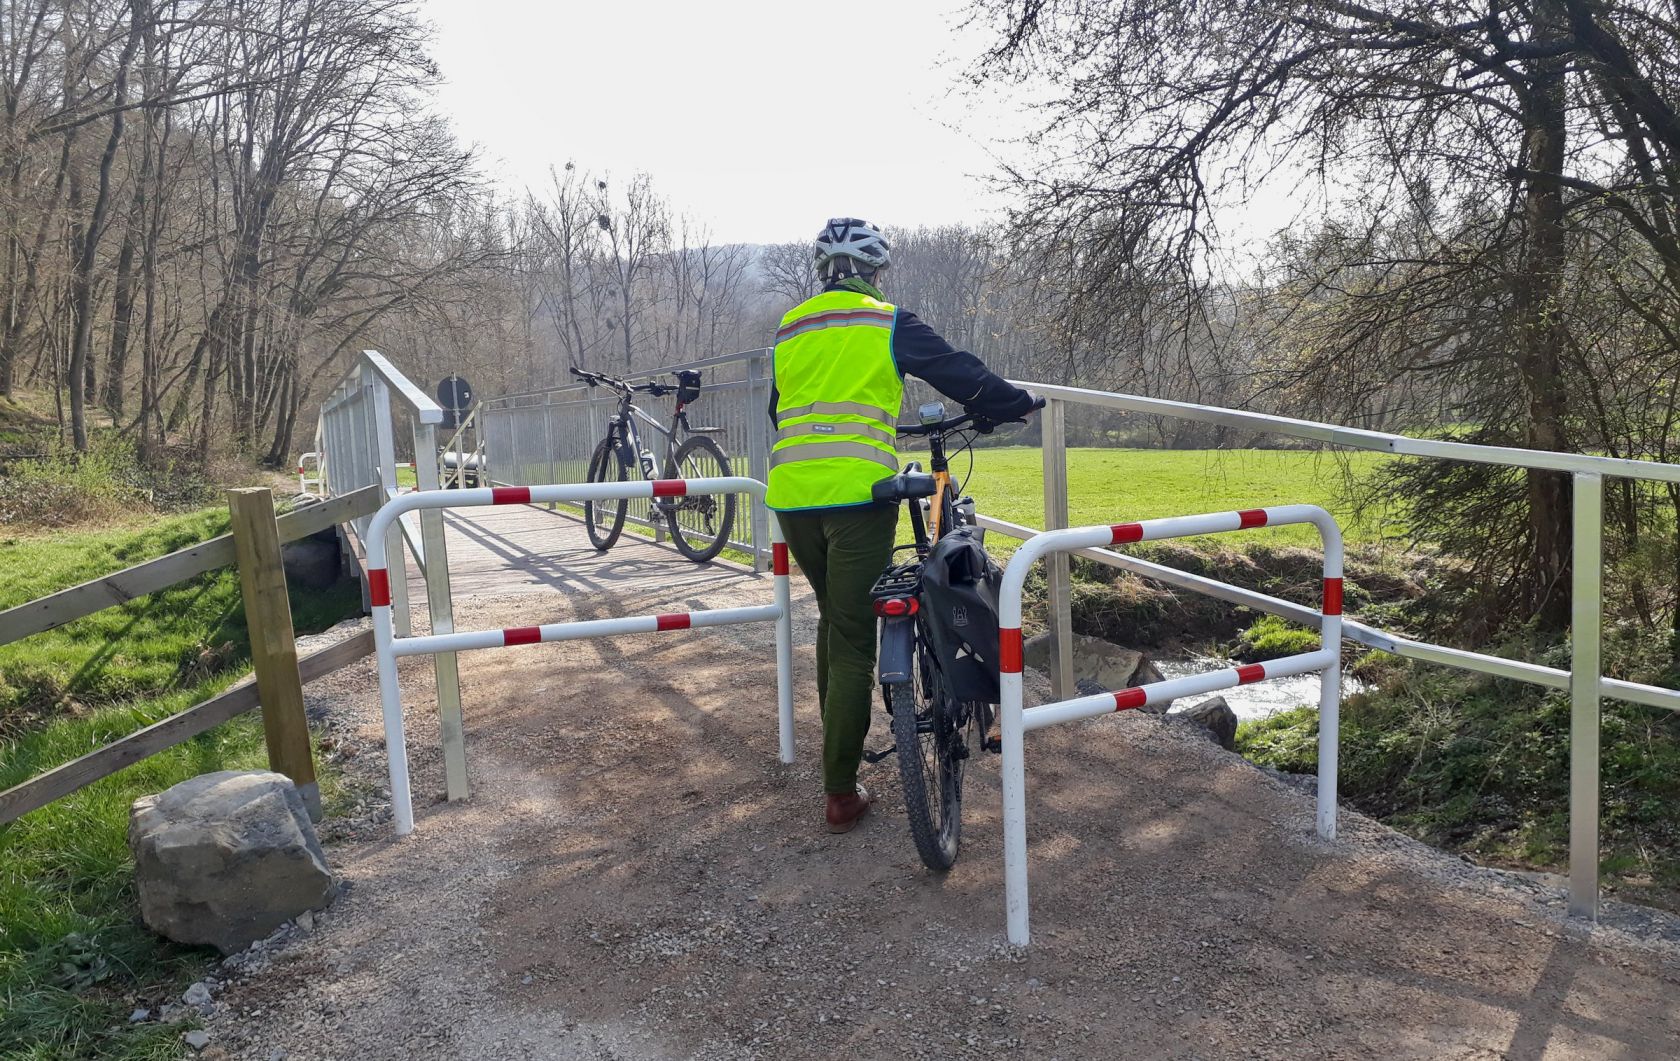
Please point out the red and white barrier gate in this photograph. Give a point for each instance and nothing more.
(388, 648)
(1016, 721)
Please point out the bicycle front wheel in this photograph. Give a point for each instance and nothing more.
(604, 520)
(700, 524)
(931, 757)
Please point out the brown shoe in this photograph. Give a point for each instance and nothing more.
(843, 812)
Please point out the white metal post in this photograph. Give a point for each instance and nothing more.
(441, 608)
(780, 566)
(1014, 805)
(1330, 680)
(758, 439)
(385, 472)
(1586, 619)
(390, 707)
(1053, 434)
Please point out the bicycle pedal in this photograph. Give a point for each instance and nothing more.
(875, 757)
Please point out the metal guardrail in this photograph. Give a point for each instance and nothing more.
(537, 436)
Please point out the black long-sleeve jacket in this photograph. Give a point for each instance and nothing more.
(919, 351)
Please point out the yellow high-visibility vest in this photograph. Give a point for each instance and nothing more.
(838, 394)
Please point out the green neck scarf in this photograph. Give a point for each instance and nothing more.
(859, 285)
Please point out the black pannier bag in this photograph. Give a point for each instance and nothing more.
(960, 600)
(688, 385)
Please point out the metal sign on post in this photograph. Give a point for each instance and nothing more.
(455, 394)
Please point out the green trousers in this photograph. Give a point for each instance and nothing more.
(841, 552)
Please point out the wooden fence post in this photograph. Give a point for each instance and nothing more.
(268, 616)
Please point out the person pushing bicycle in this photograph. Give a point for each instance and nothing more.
(837, 375)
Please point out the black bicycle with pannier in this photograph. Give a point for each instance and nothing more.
(939, 634)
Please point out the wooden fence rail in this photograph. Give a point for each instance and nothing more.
(160, 736)
(54, 610)
(277, 684)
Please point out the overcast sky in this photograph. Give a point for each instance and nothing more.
(760, 117)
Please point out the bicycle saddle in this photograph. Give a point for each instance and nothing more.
(903, 486)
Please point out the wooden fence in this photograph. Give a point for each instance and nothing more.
(279, 675)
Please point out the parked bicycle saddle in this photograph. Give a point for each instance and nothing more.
(903, 486)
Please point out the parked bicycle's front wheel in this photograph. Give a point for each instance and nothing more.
(604, 520)
(931, 760)
(700, 524)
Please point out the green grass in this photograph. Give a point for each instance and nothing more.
(73, 954)
(1481, 765)
(1123, 485)
(180, 634)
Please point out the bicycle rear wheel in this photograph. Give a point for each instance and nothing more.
(604, 520)
(927, 730)
(700, 525)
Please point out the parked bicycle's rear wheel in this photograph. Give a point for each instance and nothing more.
(700, 524)
(604, 520)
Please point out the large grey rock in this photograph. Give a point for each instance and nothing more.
(310, 562)
(1109, 665)
(224, 859)
(1098, 665)
(1216, 717)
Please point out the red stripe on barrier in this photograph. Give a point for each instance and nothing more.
(521, 635)
(778, 558)
(1252, 517)
(510, 495)
(1126, 532)
(1332, 596)
(674, 620)
(1254, 672)
(1126, 699)
(1009, 650)
(670, 487)
(379, 587)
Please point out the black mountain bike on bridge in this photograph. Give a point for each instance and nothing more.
(700, 525)
(938, 663)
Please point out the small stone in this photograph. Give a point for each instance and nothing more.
(198, 1039)
(306, 921)
(526, 979)
(140, 1014)
(198, 996)
(277, 1054)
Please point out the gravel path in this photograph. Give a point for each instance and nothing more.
(637, 877)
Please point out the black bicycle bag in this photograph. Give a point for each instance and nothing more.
(688, 385)
(960, 605)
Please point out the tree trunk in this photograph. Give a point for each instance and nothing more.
(1539, 347)
(85, 243)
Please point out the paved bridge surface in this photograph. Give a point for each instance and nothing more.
(635, 876)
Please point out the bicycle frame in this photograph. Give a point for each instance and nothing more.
(628, 413)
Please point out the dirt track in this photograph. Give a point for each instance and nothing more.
(636, 877)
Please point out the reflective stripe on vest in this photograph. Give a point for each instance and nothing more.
(826, 450)
(837, 388)
(836, 409)
(823, 427)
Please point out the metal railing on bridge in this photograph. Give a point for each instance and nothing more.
(547, 436)
(355, 436)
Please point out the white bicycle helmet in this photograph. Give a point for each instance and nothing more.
(854, 238)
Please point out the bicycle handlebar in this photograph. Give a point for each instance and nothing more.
(982, 424)
(601, 379)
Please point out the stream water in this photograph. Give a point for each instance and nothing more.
(1257, 700)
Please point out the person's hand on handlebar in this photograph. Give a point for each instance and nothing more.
(985, 425)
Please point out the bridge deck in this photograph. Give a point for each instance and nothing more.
(635, 876)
